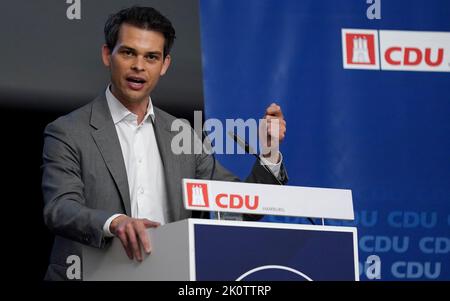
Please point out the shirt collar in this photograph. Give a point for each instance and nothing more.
(119, 112)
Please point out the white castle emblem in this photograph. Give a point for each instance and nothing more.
(198, 198)
(360, 50)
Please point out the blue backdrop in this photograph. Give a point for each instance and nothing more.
(383, 134)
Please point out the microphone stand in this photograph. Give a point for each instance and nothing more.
(213, 169)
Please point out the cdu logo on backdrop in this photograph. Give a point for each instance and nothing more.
(197, 194)
(396, 50)
(360, 49)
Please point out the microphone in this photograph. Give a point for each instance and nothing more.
(205, 139)
(249, 150)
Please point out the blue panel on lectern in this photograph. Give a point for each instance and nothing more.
(232, 252)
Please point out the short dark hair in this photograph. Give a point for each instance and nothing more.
(141, 17)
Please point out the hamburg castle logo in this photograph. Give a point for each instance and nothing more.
(360, 51)
(198, 195)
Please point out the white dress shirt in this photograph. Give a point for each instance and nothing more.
(143, 163)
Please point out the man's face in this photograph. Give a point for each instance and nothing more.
(136, 63)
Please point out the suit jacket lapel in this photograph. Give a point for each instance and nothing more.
(109, 146)
(171, 164)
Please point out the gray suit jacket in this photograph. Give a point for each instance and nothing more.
(84, 180)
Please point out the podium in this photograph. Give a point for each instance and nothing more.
(221, 250)
(196, 249)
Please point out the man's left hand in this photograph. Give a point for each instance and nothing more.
(273, 135)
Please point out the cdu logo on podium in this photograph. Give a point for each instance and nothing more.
(197, 194)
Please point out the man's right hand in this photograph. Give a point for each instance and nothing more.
(133, 234)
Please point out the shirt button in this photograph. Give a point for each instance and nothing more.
(141, 190)
(140, 160)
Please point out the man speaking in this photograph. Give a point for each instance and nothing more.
(108, 168)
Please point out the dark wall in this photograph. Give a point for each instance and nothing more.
(27, 244)
(51, 65)
(50, 61)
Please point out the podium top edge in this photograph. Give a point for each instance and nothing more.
(253, 224)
